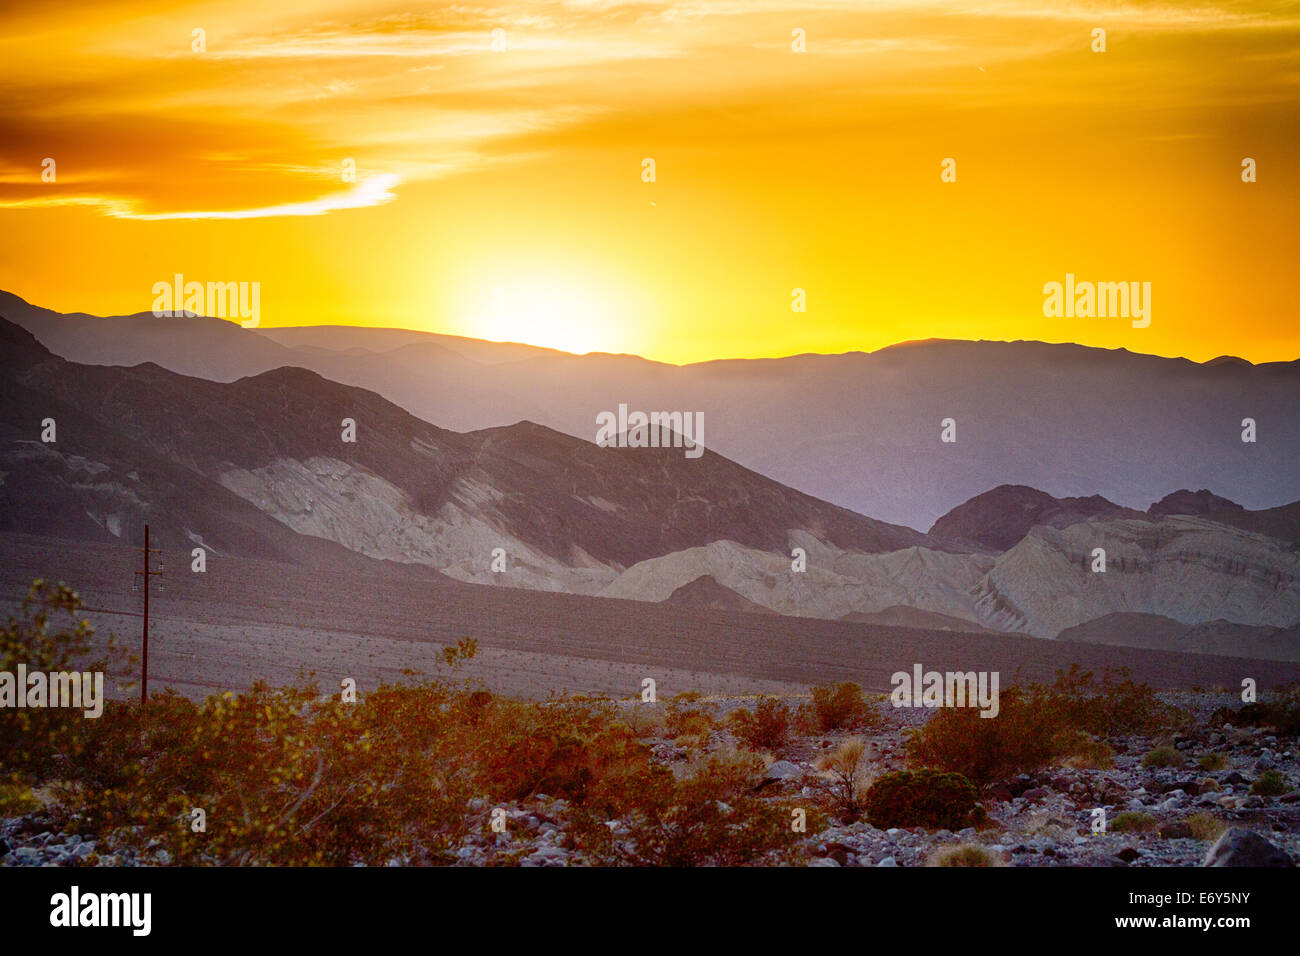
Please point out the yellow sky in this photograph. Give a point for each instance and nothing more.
(499, 193)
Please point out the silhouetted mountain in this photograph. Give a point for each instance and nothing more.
(861, 430)
(1282, 522)
(94, 482)
(997, 519)
(141, 440)
(1184, 502)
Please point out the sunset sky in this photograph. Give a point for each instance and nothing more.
(521, 169)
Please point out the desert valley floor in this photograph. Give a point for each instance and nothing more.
(246, 619)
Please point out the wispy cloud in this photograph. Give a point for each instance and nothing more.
(371, 191)
(421, 95)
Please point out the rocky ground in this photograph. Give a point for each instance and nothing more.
(1042, 819)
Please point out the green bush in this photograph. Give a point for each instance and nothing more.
(1270, 784)
(921, 798)
(1213, 761)
(1082, 752)
(1164, 757)
(16, 799)
(1134, 822)
(49, 637)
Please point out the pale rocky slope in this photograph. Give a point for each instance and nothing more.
(835, 584)
(1186, 568)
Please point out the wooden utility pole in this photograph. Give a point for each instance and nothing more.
(144, 636)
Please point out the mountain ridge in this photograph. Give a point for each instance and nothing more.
(275, 439)
(860, 430)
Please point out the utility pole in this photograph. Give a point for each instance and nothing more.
(144, 637)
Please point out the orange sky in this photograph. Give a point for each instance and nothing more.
(520, 170)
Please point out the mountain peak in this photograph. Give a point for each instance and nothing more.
(18, 347)
(1185, 502)
(1229, 360)
(998, 518)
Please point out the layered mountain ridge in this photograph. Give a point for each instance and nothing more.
(860, 430)
(566, 513)
(260, 467)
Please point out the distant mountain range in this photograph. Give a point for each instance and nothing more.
(861, 430)
(258, 466)
(200, 455)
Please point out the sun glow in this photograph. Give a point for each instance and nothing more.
(552, 312)
(520, 166)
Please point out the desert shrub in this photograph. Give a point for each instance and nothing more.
(1047, 825)
(644, 719)
(1212, 761)
(1114, 706)
(16, 798)
(282, 777)
(288, 778)
(767, 726)
(1206, 826)
(845, 768)
(840, 706)
(921, 798)
(710, 817)
(1281, 711)
(1082, 752)
(1037, 724)
(687, 718)
(1270, 784)
(1134, 822)
(964, 854)
(730, 771)
(1165, 757)
(1023, 737)
(1248, 715)
(695, 733)
(577, 750)
(49, 637)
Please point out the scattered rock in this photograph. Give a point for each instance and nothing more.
(1240, 847)
(783, 770)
